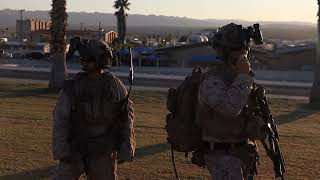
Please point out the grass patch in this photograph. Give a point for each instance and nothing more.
(25, 136)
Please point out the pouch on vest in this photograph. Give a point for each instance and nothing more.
(256, 128)
(92, 106)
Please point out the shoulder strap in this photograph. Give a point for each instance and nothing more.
(109, 75)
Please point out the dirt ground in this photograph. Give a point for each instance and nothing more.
(25, 137)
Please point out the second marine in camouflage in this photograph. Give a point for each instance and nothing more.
(224, 93)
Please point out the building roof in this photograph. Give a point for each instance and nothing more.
(204, 58)
(73, 32)
(186, 46)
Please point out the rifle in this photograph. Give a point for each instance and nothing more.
(123, 107)
(130, 78)
(270, 144)
(124, 102)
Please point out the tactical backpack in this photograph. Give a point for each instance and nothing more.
(184, 135)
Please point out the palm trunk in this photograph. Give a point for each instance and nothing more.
(58, 70)
(58, 44)
(124, 29)
(315, 91)
(121, 20)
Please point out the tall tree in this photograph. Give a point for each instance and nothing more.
(121, 6)
(58, 44)
(315, 91)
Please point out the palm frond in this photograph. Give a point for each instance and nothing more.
(122, 4)
(117, 4)
(318, 8)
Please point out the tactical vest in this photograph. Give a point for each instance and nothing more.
(93, 110)
(218, 128)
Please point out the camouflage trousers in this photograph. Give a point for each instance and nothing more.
(100, 167)
(224, 166)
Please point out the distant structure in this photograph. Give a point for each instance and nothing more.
(43, 35)
(270, 56)
(291, 56)
(209, 33)
(26, 28)
(26, 47)
(108, 37)
(188, 55)
(197, 39)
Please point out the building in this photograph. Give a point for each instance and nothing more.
(26, 47)
(108, 37)
(209, 33)
(40, 36)
(25, 28)
(197, 39)
(189, 55)
(44, 35)
(293, 57)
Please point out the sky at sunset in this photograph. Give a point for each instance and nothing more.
(256, 10)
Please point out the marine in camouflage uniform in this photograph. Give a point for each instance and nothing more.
(90, 134)
(223, 94)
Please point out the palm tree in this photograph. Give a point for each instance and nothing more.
(315, 91)
(58, 44)
(121, 6)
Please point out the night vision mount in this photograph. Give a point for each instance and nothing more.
(235, 36)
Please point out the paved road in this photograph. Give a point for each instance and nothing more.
(156, 80)
(159, 89)
(269, 75)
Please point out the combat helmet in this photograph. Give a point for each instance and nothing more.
(98, 50)
(235, 37)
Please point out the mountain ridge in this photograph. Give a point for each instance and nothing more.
(9, 16)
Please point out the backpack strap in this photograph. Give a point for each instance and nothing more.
(109, 75)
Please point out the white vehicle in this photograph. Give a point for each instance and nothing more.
(8, 55)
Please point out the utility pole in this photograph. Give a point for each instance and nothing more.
(81, 25)
(99, 33)
(7, 32)
(21, 41)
